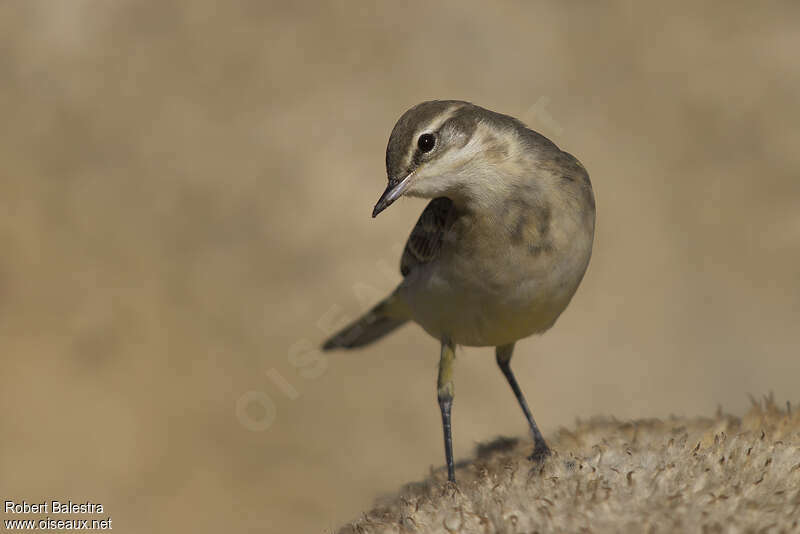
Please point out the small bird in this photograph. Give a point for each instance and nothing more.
(498, 252)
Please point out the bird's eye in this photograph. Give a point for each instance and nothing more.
(426, 142)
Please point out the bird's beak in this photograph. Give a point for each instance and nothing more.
(394, 190)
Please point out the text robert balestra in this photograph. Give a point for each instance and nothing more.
(53, 507)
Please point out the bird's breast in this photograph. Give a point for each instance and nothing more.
(499, 281)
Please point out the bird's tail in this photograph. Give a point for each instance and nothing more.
(373, 325)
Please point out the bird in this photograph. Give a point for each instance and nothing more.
(498, 252)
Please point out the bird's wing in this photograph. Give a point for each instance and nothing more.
(426, 238)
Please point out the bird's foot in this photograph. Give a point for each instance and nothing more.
(450, 489)
(540, 453)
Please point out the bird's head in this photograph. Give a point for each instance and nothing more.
(447, 148)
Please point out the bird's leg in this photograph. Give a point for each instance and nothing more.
(445, 394)
(503, 355)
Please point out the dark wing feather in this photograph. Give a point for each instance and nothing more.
(426, 238)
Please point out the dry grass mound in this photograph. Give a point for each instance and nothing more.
(720, 474)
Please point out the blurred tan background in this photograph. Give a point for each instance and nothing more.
(185, 198)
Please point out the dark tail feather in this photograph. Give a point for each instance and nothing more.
(372, 326)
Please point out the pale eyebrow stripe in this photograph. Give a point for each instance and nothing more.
(441, 118)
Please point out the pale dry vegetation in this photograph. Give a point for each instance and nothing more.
(718, 474)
